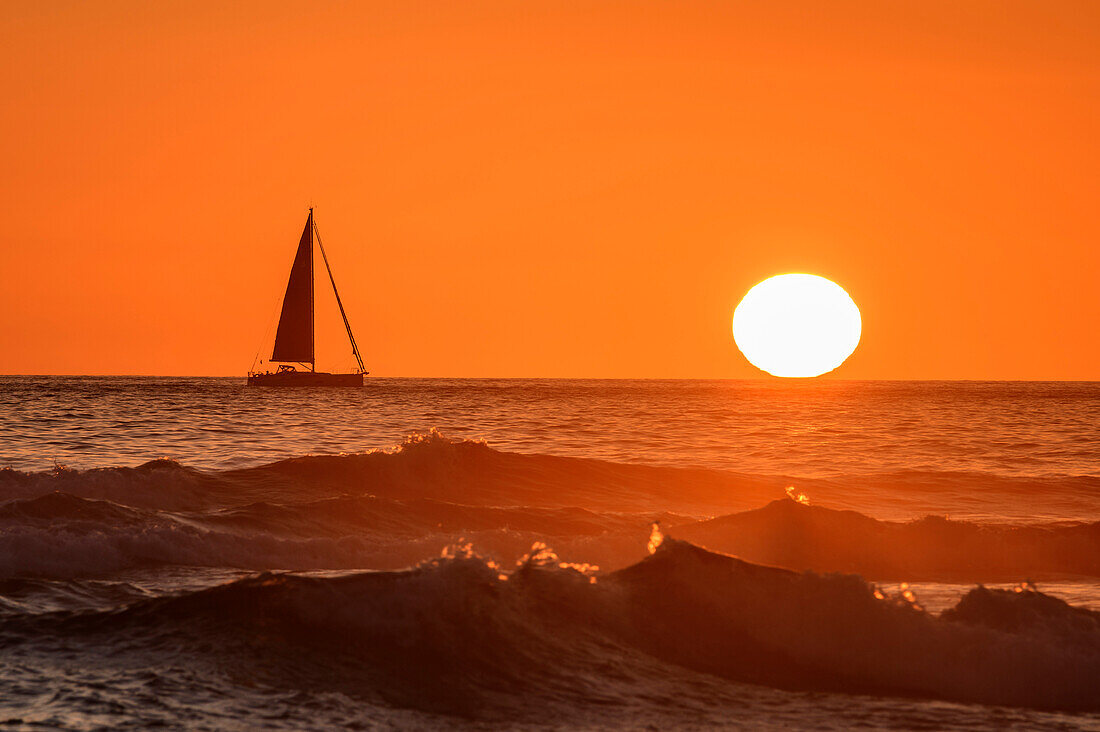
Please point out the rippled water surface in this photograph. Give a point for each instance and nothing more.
(815, 428)
(427, 553)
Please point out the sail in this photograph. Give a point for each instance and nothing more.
(294, 338)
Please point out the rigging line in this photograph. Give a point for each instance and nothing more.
(339, 303)
(312, 306)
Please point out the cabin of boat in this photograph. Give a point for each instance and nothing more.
(289, 376)
(294, 338)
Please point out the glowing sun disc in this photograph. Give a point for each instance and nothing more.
(797, 325)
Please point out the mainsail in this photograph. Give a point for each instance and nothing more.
(294, 338)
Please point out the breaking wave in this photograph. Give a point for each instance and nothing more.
(460, 636)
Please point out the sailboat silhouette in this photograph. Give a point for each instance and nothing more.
(294, 338)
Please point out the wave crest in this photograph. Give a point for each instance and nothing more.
(459, 635)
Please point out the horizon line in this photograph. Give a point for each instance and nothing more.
(776, 379)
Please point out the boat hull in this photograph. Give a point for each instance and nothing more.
(305, 378)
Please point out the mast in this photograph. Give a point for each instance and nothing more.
(312, 320)
(339, 303)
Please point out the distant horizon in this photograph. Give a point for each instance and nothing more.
(772, 379)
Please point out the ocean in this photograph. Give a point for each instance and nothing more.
(484, 553)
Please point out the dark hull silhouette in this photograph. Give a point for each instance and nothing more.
(304, 378)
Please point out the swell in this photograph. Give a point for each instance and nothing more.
(158, 484)
(460, 636)
(62, 536)
(934, 548)
(433, 467)
(390, 509)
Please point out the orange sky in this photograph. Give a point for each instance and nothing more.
(559, 189)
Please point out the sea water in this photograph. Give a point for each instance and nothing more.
(449, 552)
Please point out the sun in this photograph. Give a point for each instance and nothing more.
(797, 325)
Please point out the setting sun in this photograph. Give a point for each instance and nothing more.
(797, 325)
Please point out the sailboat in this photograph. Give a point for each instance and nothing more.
(294, 338)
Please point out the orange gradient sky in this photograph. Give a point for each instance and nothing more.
(550, 189)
